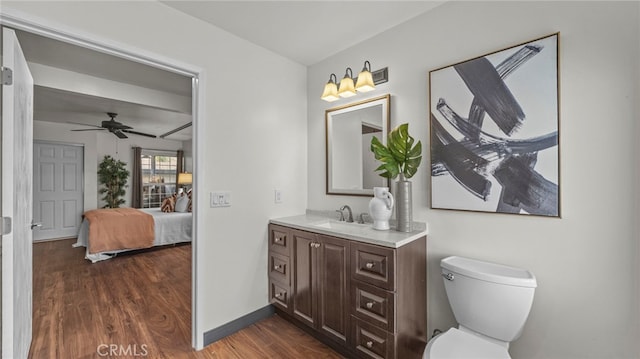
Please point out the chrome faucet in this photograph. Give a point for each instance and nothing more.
(361, 218)
(350, 217)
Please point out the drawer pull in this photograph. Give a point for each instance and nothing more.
(369, 305)
(369, 265)
(279, 295)
(369, 344)
(277, 240)
(314, 245)
(277, 266)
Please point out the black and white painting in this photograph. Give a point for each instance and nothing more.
(494, 132)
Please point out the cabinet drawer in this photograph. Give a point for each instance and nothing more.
(279, 268)
(373, 264)
(279, 240)
(370, 341)
(279, 296)
(373, 305)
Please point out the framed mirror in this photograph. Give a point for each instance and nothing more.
(350, 163)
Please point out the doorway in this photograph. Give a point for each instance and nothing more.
(142, 57)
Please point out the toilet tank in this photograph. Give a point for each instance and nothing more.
(488, 298)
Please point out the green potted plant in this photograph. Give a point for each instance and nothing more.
(401, 158)
(113, 174)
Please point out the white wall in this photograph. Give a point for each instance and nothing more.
(98, 144)
(346, 154)
(586, 264)
(253, 139)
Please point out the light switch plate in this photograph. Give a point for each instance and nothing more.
(277, 196)
(220, 199)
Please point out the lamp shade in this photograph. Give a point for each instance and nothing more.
(185, 178)
(330, 92)
(347, 89)
(365, 79)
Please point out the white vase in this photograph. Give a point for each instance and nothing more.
(381, 208)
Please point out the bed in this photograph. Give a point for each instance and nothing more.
(168, 228)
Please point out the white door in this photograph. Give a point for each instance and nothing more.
(17, 201)
(57, 189)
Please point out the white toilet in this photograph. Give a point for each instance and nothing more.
(491, 303)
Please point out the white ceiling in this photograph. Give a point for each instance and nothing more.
(52, 104)
(304, 31)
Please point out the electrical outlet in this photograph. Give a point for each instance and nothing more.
(277, 196)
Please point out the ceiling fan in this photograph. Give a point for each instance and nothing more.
(113, 126)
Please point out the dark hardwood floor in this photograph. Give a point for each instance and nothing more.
(136, 306)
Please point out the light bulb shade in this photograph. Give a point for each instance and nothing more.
(365, 81)
(185, 178)
(347, 89)
(330, 92)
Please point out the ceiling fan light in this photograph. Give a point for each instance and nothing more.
(365, 79)
(330, 92)
(347, 88)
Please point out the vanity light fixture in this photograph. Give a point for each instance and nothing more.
(330, 92)
(347, 88)
(365, 79)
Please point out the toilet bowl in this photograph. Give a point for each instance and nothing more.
(491, 303)
(457, 344)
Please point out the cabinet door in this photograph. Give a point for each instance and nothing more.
(305, 307)
(333, 287)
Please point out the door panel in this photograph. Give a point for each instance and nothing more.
(304, 281)
(58, 193)
(333, 268)
(17, 200)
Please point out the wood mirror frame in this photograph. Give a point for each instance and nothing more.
(350, 164)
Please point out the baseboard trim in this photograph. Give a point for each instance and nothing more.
(233, 326)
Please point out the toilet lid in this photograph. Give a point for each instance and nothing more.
(456, 344)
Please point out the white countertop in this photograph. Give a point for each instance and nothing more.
(353, 231)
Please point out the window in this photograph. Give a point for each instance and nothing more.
(158, 177)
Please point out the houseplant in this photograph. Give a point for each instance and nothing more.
(401, 158)
(113, 174)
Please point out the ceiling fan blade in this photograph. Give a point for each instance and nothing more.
(83, 124)
(140, 133)
(119, 134)
(91, 129)
(116, 125)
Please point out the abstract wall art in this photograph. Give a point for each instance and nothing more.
(494, 126)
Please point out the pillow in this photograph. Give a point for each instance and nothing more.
(169, 203)
(189, 209)
(182, 204)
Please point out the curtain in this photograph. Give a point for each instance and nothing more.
(180, 156)
(136, 178)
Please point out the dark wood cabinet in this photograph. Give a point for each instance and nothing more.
(364, 300)
(333, 287)
(321, 283)
(280, 268)
(389, 300)
(305, 307)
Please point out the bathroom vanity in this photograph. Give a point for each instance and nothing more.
(359, 290)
